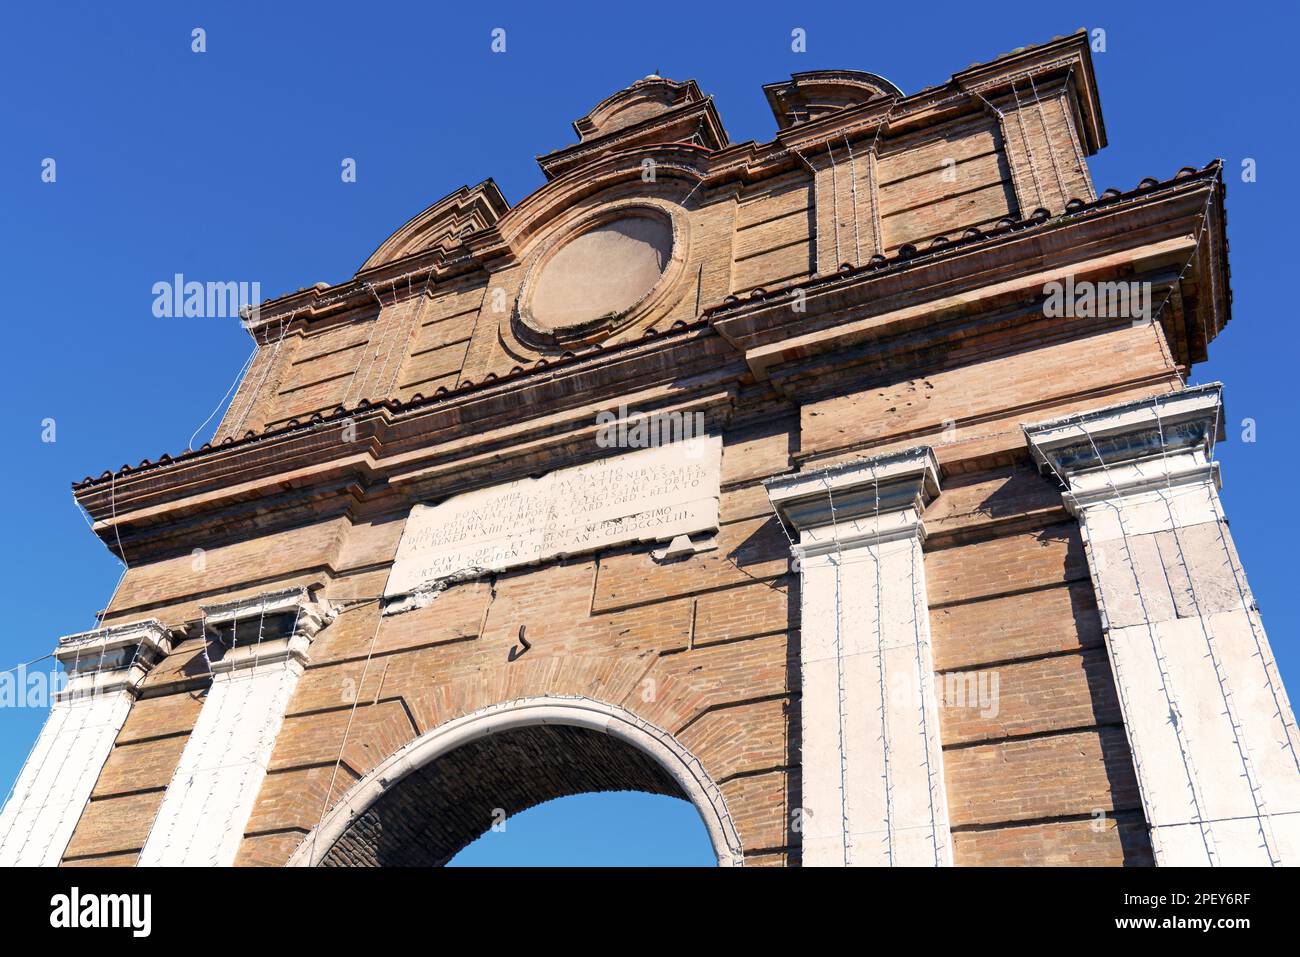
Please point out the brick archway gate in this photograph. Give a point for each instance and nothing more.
(444, 789)
(996, 565)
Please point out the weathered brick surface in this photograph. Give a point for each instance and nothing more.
(224, 568)
(377, 730)
(157, 717)
(1041, 144)
(744, 501)
(145, 766)
(971, 501)
(1030, 720)
(268, 850)
(745, 739)
(114, 825)
(108, 860)
(747, 550)
(760, 806)
(757, 608)
(1060, 775)
(293, 799)
(457, 614)
(1061, 618)
(757, 451)
(1001, 566)
(185, 666)
(1046, 694)
(1101, 842)
(975, 387)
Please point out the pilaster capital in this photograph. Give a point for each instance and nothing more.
(270, 628)
(1133, 447)
(116, 658)
(857, 503)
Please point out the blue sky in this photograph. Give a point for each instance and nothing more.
(225, 166)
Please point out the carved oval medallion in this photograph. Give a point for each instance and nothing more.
(599, 275)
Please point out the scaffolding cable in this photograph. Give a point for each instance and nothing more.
(835, 205)
(265, 738)
(1195, 790)
(887, 770)
(853, 183)
(285, 325)
(924, 678)
(222, 401)
(347, 729)
(1029, 150)
(1248, 770)
(1080, 164)
(838, 564)
(1047, 137)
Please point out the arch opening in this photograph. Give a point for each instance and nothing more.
(441, 792)
(604, 829)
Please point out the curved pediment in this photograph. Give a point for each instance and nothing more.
(652, 111)
(812, 95)
(642, 100)
(444, 224)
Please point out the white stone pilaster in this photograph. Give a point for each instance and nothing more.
(104, 669)
(872, 766)
(211, 795)
(1212, 732)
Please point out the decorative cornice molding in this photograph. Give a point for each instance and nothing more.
(442, 225)
(850, 306)
(823, 92)
(761, 323)
(695, 121)
(110, 659)
(886, 493)
(291, 648)
(1127, 449)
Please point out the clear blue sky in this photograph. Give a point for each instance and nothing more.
(225, 166)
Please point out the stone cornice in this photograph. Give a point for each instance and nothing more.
(306, 461)
(857, 84)
(397, 459)
(652, 89)
(116, 658)
(883, 496)
(1147, 232)
(309, 617)
(548, 386)
(1113, 450)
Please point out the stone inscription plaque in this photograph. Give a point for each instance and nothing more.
(643, 496)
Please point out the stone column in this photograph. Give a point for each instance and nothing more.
(1213, 735)
(104, 668)
(872, 767)
(257, 649)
